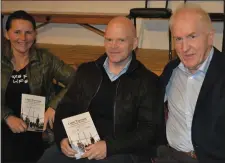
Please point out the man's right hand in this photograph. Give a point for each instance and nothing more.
(66, 149)
(17, 125)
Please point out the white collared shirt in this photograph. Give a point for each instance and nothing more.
(182, 93)
(113, 76)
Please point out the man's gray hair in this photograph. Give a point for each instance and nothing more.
(203, 15)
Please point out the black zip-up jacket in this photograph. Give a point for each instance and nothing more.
(135, 107)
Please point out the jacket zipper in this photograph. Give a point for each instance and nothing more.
(28, 77)
(114, 105)
(114, 111)
(96, 90)
(28, 72)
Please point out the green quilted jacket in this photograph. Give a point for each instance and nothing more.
(41, 70)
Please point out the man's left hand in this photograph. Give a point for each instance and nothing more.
(96, 151)
(49, 118)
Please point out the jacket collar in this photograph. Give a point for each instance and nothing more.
(215, 71)
(133, 65)
(33, 55)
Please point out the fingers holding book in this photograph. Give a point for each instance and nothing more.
(95, 151)
(66, 148)
(16, 124)
(49, 118)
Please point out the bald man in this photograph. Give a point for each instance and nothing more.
(121, 96)
(195, 92)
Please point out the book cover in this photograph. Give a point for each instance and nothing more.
(81, 132)
(32, 112)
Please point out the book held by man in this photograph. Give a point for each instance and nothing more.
(32, 112)
(81, 132)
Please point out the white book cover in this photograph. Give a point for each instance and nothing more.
(81, 132)
(32, 112)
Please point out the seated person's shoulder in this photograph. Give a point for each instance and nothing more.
(147, 74)
(173, 63)
(44, 54)
(86, 67)
(48, 58)
(170, 66)
(43, 51)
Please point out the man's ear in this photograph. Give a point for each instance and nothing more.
(135, 43)
(211, 37)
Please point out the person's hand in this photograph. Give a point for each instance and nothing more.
(49, 118)
(17, 125)
(66, 149)
(96, 151)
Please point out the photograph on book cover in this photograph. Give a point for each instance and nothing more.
(81, 132)
(32, 112)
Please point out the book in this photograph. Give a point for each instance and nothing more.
(81, 132)
(32, 112)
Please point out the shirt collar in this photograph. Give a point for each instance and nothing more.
(113, 76)
(204, 66)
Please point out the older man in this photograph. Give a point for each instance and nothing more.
(121, 96)
(195, 92)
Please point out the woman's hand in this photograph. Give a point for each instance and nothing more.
(49, 118)
(17, 125)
